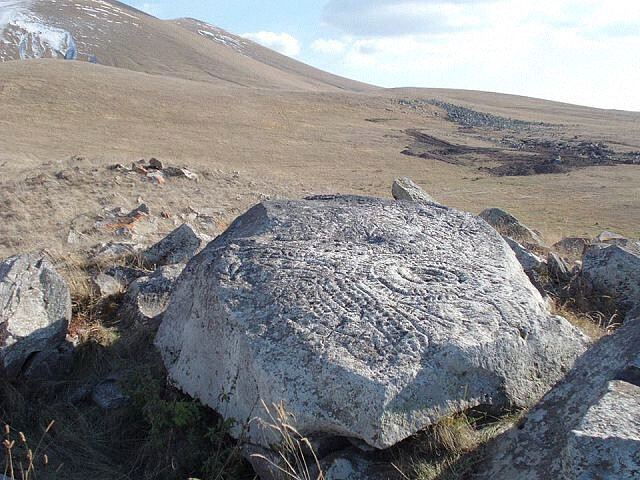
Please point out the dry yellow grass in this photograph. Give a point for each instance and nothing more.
(280, 143)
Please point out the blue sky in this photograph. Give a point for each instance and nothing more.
(578, 51)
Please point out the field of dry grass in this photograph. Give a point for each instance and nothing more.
(279, 143)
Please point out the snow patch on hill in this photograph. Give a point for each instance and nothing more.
(9, 9)
(39, 40)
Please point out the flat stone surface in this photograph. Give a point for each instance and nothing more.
(368, 318)
(35, 310)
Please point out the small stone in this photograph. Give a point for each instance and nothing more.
(147, 297)
(610, 237)
(180, 173)
(509, 226)
(108, 395)
(155, 164)
(558, 269)
(177, 247)
(405, 189)
(571, 247)
(612, 272)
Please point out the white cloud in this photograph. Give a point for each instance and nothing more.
(154, 9)
(328, 46)
(399, 17)
(280, 42)
(579, 51)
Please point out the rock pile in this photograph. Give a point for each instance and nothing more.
(155, 171)
(369, 319)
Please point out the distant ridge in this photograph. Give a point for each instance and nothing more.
(111, 33)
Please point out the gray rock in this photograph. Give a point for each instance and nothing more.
(180, 173)
(586, 428)
(354, 465)
(612, 238)
(612, 272)
(177, 247)
(116, 280)
(108, 396)
(368, 318)
(107, 286)
(405, 189)
(558, 269)
(53, 364)
(114, 251)
(155, 164)
(509, 226)
(571, 247)
(530, 261)
(35, 310)
(147, 297)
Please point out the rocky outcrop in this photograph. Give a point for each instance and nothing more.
(147, 297)
(35, 310)
(177, 247)
(611, 274)
(510, 226)
(585, 428)
(369, 319)
(405, 189)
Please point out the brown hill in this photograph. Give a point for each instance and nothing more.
(113, 34)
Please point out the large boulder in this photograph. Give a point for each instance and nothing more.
(587, 427)
(177, 247)
(510, 226)
(611, 273)
(35, 310)
(369, 319)
(405, 189)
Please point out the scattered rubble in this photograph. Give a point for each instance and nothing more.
(470, 118)
(155, 171)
